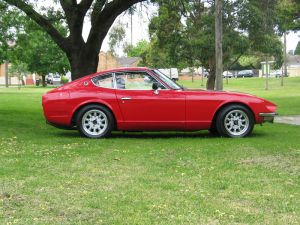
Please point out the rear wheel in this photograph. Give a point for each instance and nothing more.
(235, 121)
(95, 121)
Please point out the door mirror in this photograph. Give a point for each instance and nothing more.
(155, 86)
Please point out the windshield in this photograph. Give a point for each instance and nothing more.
(167, 80)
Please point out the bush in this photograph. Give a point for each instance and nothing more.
(64, 80)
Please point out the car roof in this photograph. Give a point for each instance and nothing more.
(117, 70)
(124, 69)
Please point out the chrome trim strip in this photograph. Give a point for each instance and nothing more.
(126, 98)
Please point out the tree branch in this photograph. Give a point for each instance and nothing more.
(97, 9)
(106, 18)
(85, 4)
(42, 21)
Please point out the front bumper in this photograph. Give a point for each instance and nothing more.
(267, 117)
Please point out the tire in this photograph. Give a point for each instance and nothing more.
(95, 121)
(213, 130)
(235, 121)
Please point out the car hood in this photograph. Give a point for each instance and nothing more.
(232, 94)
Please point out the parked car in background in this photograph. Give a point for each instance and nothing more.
(205, 73)
(227, 74)
(171, 73)
(245, 73)
(53, 78)
(276, 73)
(143, 99)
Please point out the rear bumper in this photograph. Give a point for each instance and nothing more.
(267, 117)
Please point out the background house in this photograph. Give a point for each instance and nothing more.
(108, 61)
(293, 63)
(13, 79)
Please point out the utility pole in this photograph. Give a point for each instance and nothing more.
(131, 28)
(285, 59)
(267, 75)
(219, 40)
(202, 76)
(6, 74)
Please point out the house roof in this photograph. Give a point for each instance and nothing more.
(126, 61)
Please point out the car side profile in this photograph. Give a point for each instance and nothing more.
(143, 99)
(245, 73)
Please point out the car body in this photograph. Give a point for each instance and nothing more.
(245, 73)
(227, 74)
(143, 99)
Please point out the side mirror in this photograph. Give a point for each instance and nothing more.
(155, 86)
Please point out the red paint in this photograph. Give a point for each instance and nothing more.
(169, 110)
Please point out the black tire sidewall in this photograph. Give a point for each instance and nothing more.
(108, 114)
(222, 114)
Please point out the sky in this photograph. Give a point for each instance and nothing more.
(292, 40)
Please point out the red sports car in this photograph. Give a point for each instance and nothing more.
(143, 99)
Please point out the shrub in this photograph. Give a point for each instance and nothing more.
(64, 80)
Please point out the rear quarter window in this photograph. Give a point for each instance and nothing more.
(104, 81)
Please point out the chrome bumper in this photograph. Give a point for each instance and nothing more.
(268, 117)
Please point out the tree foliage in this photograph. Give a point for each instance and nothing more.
(116, 37)
(183, 32)
(141, 50)
(82, 55)
(33, 47)
(288, 15)
(297, 50)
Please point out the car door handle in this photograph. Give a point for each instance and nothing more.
(126, 98)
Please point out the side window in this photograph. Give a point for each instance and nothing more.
(135, 81)
(105, 81)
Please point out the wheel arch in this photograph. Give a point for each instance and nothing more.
(226, 104)
(77, 110)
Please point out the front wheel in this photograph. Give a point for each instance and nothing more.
(95, 121)
(235, 121)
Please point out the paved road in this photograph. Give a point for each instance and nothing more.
(294, 120)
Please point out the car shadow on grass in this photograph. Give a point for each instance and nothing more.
(152, 135)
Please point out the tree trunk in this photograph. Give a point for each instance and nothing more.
(211, 81)
(44, 80)
(219, 44)
(83, 64)
(210, 85)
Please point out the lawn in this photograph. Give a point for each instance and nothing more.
(51, 176)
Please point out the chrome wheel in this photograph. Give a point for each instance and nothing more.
(94, 122)
(236, 122)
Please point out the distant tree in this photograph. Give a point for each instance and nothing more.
(288, 15)
(139, 50)
(19, 69)
(183, 33)
(116, 37)
(297, 50)
(7, 20)
(37, 50)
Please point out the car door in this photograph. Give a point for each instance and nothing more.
(145, 109)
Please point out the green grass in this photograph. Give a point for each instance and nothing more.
(52, 176)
